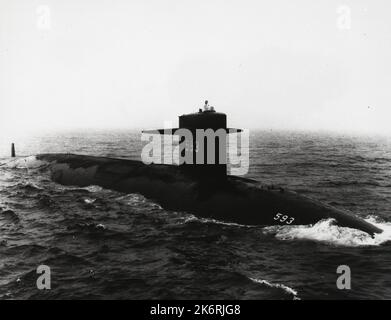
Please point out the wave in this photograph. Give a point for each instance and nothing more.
(29, 186)
(136, 200)
(93, 189)
(132, 198)
(9, 215)
(285, 288)
(89, 201)
(89, 189)
(30, 162)
(192, 218)
(327, 231)
(89, 227)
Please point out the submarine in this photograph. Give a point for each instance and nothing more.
(205, 190)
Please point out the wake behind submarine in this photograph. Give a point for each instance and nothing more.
(201, 189)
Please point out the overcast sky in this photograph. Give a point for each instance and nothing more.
(304, 65)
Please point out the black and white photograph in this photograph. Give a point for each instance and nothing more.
(207, 152)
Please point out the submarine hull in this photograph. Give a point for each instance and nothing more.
(235, 199)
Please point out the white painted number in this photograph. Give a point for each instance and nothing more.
(283, 218)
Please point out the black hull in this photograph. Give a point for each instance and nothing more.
(233, 199)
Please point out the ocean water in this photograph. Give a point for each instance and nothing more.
(108, 245)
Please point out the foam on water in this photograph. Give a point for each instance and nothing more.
(133, 199)
(30, 162)
(328, 232)
(92, 188)
(192, 218)
(89, 201)
(285, 288)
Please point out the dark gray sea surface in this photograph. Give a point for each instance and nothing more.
(104, 244)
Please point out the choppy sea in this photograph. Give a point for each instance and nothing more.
(104, 244)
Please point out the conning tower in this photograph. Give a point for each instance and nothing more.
(209, 131)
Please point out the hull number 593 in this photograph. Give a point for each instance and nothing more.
(283, 218)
